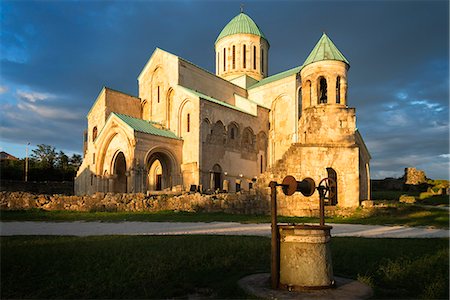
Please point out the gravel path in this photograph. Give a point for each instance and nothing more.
(81, 228)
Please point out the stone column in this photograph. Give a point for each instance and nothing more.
(226, 184)
(211, 180)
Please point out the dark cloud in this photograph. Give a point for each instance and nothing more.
(57, 55)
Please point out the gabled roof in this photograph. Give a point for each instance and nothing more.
(276, 77)
(325, 50)
(145, 126)
(241, 24)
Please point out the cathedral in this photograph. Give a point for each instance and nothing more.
(191, 130)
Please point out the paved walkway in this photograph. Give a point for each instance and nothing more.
(81, 228)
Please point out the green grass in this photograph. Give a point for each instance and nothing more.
(436, 200)
(178, 266)
(391, 195)
(393, 214)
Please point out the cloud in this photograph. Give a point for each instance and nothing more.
(33, 96)
(3, 89)
(49, 112)
(398, 80)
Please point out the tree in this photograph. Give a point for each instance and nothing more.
(62, 161)
(75, 161)
(45, 156)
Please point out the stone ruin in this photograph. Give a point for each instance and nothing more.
(414, 177)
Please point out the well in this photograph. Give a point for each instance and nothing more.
(305, 257)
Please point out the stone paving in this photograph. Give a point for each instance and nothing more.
(81, 228)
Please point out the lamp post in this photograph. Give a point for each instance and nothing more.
(26, 162)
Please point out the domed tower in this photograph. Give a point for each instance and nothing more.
(324, 75)
(242, 49)
(325, 116)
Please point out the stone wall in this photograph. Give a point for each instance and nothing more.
(414, 176)
(239, 203)
(229, 203)
(44, 187)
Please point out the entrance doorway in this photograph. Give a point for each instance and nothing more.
(159, 172)
(217, 178)
(120, 179)
(159, 182)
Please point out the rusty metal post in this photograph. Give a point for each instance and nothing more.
(322, 207)
(275, 250)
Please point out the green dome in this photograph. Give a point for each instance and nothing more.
(241, 24)
(325, 50)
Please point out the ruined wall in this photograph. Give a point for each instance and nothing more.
(240, 203)
(414, 176)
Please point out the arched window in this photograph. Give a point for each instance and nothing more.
(261, 164)
(94, 133)
(218, 133)
(218, 62)
(244, 56)
(234, 57)
(299, 102)
(224, 59)
(233, 134)
(262, 60)
(205, 129)
(254, 57)
(322, 90)
(158, 94)
(248, 139)
(338, 90)
(188, 125)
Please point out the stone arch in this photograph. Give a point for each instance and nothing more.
(205, 130)
(338, 90)
(218, 134)
(119, 168)
(169, 106)
(186, 108)
(146, 108)
(162, 168)
(262, 141)
(116, 140)
(157, 111)
(233, 134)
(216, 178)
(283, 125)
(322, 90)
(94, 133)
(306, 94)
(248, 139)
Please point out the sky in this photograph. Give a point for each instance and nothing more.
(57, 55)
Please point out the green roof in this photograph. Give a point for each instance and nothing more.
(241, 24)
(145, 126)
(276, 77)
(213, 100)
(325, 50)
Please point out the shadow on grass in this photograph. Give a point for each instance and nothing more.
(205, 266)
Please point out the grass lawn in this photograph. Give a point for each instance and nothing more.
(178, 266)
(398, 214)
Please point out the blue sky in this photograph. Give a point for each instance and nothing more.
(57, 55)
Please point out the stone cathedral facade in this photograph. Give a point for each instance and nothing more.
(235, 130)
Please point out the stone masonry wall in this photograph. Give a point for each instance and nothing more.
(414, 176)
(239, 203)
